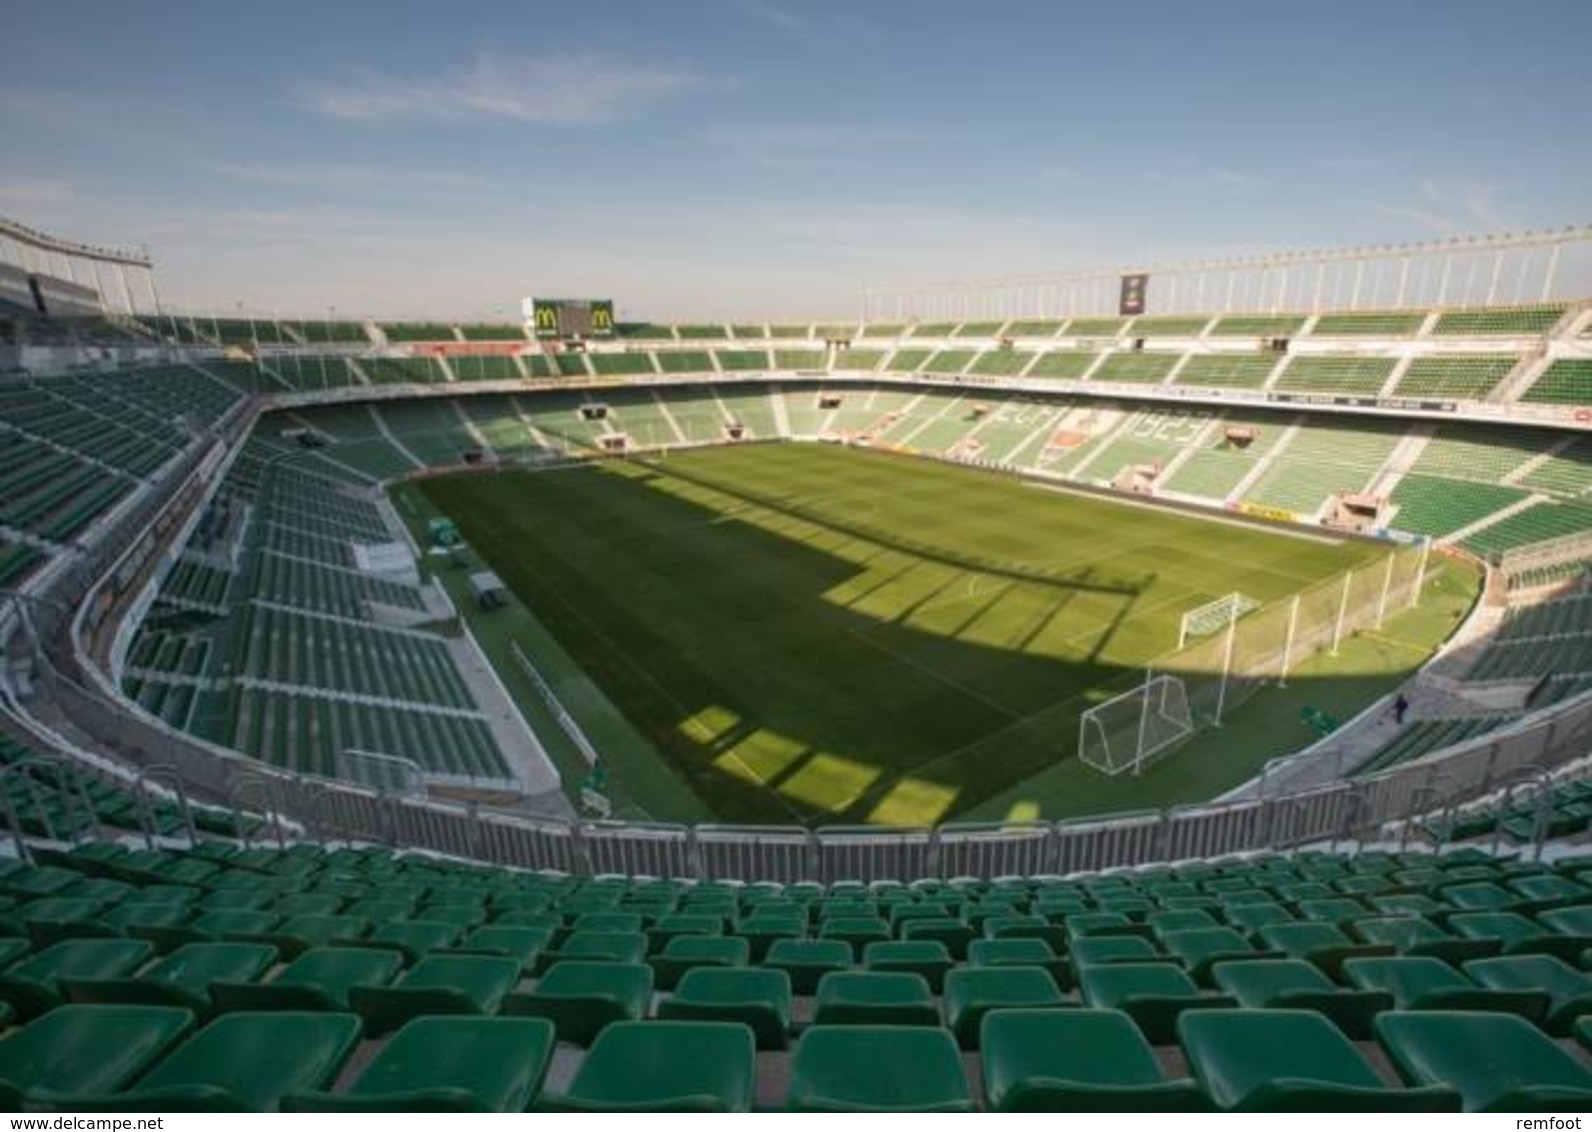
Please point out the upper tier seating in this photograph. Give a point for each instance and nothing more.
(1532, 319)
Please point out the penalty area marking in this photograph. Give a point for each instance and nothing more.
(1200, 516)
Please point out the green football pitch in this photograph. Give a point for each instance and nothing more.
(802, 633)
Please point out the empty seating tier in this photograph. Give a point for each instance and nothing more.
(156, 979)
(1316, 373)
(1525, 320)
(1467, 377)
(1567, 381)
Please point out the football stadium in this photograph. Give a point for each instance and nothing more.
(1157, 686)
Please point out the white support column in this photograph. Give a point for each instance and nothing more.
(1387, 584)
(127, 294)
(1404, 280)
(1287, 646)
(1552, 270)
(1227, 662)
(1343, 611)
(1420, 574)
(1492, 280)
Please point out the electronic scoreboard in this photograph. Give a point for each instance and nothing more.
(570, 318)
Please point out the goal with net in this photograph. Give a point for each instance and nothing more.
(1129, 731)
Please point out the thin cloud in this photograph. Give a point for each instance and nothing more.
(550, 90)
(1449, 209)
(347, 177)
(775, 15)
(29, 192)
(802, 144)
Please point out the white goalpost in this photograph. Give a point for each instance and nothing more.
(1127, 732)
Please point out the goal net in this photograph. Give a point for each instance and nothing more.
(1214, 616)
(1126, 732)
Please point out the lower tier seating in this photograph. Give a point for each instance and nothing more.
(153, 980)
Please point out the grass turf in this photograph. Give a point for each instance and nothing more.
(816, 634)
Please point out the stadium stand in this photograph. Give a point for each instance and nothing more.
(1033, 328)
(1434, 506)
(418, 332)
(1567, 381)
(1368, 324)
(1320, 461)
(1001, 363)
(1063, 364)
(1533, 319)
(1350, 376)
(1467, 377)
(484, 332)
(1233, 371)
(1258, 326)
(1133, 366)
(138, 979)
(1094, 327)
(1168, 326)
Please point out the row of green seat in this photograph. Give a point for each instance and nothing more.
(1477, 1013)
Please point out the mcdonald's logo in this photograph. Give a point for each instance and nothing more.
(602, 317)
(546, 318)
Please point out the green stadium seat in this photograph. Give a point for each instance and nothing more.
(183, 978)
(1518, 935)
(686, 952)
(597, 947)
(1569, 990)
(1497, 1063)
(298, 934)
(1572, 921)
(759, 999)
(928, 958)
(861, 998)
(439, 984)
(673, 924)
(1418, 936)
(523, 944)
(1114, 949)
(582, 997)
(807, 961)
(1154, 995)
(956, 934)
(1291, 1061)
(1202, 948)
(878, 1069)
(1022, 953)
(240, 1063)
(85, 1049)
(447, 1065)
(1253, 917)
(319, 979)
(972, 992)
(33, 985)
(412, 938)
(664, 1067)
(854, 930)
(1325, 945)
(1426, 983)
(1076, 1060)
(1294, 984)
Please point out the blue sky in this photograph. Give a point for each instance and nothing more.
(766, 158)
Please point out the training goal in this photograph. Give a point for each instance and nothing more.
(1129, 731)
